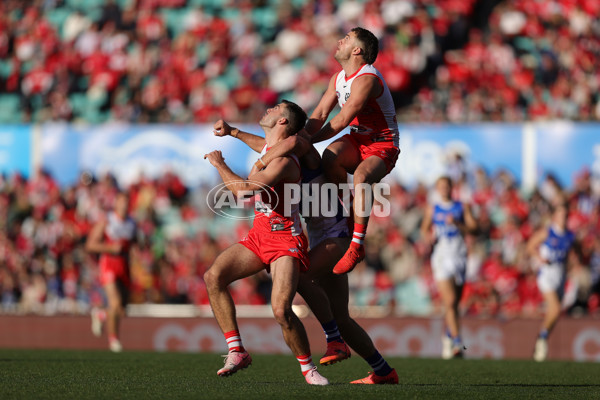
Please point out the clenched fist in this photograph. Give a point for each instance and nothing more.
(221, 128)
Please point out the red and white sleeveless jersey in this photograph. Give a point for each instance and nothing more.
(377, 119)
(119, 230)
(269, 209)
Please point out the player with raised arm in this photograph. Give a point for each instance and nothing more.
(112, 237)
(451, 220)
(371, 149)
(550, 247)
(328, 239)
(275, 242)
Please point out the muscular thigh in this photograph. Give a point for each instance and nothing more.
(371, 170)
(236, 262)
(341, 153)
(325, 255)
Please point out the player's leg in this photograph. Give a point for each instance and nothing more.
(285, 272)
(322, 258)
(340, 158)
(553, 309)
(450, 294)
(234, 263)
(113, 314)
(354, 334)
(98, 316)
(368, 172)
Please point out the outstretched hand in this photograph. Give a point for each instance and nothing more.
(215, 157)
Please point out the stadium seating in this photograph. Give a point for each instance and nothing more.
(217, 34)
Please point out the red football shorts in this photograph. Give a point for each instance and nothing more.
(270, 247)
(367, 148)
(114, 268)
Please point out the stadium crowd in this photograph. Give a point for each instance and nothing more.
(44, 267)
(534, 61)
(200, 60)
(197, 60)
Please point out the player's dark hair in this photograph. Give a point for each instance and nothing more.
(295, 115)
(370, 44)
(562, 203)
(445, 178)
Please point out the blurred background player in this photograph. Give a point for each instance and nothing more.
(371, 149)
(112, 237)
(451, 220)
(326, 294)
(275, 242)
(550, 247)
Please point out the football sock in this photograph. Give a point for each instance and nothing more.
(332, 332)
(379, 365)
(457, 341)
(306, 363)
(358, 237)
(234, 341)
(544, 334)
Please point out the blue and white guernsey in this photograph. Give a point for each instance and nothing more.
(556, 246)
(320, 227)
(443, 230)
(449, 257)
(552, 276)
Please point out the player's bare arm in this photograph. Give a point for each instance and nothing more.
(322, 111)
(222, 128)
(470, 221)
(470, 224)
(95, 244)
(282, 168)
(294, 144)
(426, 234)
(363, 88)
(534, 243)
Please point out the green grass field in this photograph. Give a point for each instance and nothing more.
(37, 374)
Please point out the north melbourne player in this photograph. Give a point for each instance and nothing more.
(451, 220)
(550, 248)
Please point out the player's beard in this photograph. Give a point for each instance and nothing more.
(340, 57)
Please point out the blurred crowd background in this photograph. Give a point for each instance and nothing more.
(200, 60)
(44, 267)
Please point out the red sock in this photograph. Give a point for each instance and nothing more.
(358, 237)
(112, 337)
(306, 363)
(234, 341)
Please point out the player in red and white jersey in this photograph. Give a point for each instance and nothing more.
(270, 218)
(275, 242)
(376, 121)
(112, 238)
(329, 237)
(371, 149)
